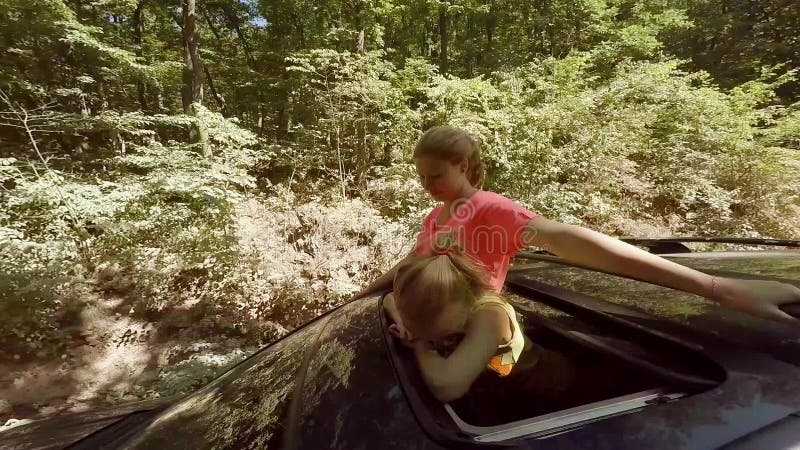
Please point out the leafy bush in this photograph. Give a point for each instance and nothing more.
(606, 153)
(153, 224)
(351, 114)
(307, 258)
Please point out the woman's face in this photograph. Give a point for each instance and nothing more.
(443, 180)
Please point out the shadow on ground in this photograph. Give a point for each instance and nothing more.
(109, 357)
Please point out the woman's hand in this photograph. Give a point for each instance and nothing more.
(757, 297)
(398, 330)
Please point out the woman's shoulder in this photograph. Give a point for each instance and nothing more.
(491, 198)
(494, 300)
(489, 202)
(497, 312)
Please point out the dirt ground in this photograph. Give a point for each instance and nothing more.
(113, 358)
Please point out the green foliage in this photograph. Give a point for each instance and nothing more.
(634, 117)
(735, 40)
(785, 131)
(154, 215)
(51, 56)
(603, 152)
(394, 191)
(350, 113)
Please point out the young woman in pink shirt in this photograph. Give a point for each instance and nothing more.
(490, 229)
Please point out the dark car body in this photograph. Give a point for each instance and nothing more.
(720, 379)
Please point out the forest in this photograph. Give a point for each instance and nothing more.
(186, 181)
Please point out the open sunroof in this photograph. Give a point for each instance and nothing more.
(638, 373)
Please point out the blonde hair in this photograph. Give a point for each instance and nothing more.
(424, 285)
(452, 145)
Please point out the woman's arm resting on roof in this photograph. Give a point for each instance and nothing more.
(450, 378)
(397, 329)
(383, 283)
(597, 250)
(391, 308)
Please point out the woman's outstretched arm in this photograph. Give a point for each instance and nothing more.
(384, 282)
(597, 250)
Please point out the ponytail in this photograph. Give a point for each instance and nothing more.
(425, 285)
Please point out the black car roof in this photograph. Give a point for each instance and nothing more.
(762, 377)
(759, 390)
(673, 307)
(744, 345)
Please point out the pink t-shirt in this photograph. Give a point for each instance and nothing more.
(487, 226)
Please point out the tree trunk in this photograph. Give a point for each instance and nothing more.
(298, 25)
(426, 52)
(341, 161)
(233, 22)
(100, 86)
(443, 40)
(159, 94)
(210, 22)
(138, 32)
(223, 108)
(491, 22)
(470, 47)
(78, 10)
(192, 92)
(192, 68)
(360, 42)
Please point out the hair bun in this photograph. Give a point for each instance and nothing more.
(477, 173)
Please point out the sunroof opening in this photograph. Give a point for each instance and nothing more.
(564, 376)
(584, 374)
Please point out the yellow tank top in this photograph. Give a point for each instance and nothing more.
(507, 354)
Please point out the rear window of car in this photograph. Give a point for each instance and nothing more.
(350, 398)
(245, 408)
(327, 385)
